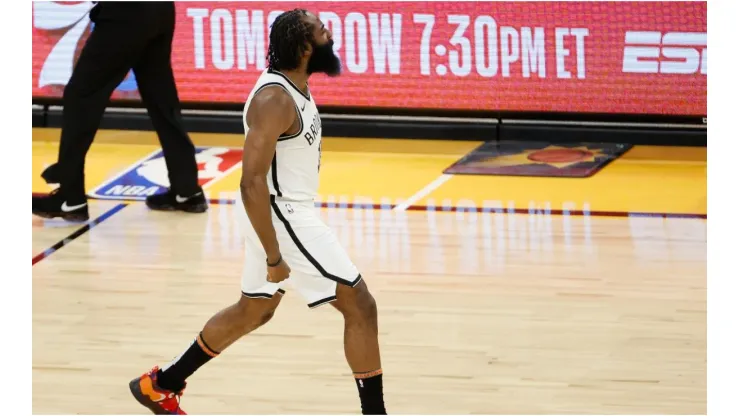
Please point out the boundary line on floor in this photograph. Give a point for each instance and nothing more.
(471, 209)
(89, 225)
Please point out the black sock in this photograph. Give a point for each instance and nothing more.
(370, 386)
(173, 376)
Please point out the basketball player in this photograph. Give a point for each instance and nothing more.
(285, 239)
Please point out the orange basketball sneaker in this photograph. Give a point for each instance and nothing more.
(155, 398)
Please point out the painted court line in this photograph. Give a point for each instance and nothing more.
(423, 192)
(488, 210)
(82, 230)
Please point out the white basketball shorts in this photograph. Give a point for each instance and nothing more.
(316, 259)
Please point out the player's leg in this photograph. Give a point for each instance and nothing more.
(159, 390)
(222, 330)
(158, 90)
(361, 345)
(324, 273)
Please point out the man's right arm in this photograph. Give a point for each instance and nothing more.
(270, 114)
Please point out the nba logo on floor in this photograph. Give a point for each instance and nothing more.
(149, 176)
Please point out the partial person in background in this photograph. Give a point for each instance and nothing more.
(126, 36)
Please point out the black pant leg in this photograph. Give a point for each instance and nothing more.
(109, 53)
(158, 91)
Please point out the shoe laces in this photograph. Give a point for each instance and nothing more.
(177, 396)
(169, 394)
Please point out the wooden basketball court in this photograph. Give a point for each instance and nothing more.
(558, 301)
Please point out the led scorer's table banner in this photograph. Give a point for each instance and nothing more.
(617, 57)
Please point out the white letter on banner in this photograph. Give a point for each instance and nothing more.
(580, 34)
(250, 39)
(533, 52)
(509, 49)
(355, 27)
(223, 56)
(386, 42)
(198, 43)
(561, 52)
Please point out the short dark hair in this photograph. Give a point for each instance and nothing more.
(290, 35)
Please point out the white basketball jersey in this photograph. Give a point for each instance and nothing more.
(294, 173)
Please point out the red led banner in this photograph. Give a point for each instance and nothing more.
(596, 57)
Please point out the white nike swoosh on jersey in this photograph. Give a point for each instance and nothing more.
(67, 208)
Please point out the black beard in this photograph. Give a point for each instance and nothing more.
(323, 60)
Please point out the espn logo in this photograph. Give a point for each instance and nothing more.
(669, 53)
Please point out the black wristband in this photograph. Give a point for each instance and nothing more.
(276, 263)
